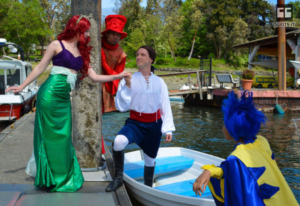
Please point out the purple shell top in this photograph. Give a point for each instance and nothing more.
(66, 59)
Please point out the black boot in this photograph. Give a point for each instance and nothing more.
(119, 168)
(148, 175)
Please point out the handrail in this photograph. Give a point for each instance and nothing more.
(181, 73)
(197, 72)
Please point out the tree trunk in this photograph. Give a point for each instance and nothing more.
(194, 39)
(190, 56)
(225, 54)
(217, 51)
(220, 52)
(86, 97)
(172, 51)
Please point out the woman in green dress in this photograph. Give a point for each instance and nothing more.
(57, 167)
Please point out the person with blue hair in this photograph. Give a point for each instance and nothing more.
(249, 176)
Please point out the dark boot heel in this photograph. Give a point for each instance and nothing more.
(117, 182)
(148, 175)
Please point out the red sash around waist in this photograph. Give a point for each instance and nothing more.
(144, 117)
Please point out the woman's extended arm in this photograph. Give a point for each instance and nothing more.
(105, 78)
(39, 69)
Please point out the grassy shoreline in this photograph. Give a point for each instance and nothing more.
(182, 62)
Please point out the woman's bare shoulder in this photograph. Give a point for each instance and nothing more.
(54, 43)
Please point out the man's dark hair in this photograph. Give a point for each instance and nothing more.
(151, 52)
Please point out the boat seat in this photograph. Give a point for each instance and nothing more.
(164, 165)
(226, 78)
(184, 188)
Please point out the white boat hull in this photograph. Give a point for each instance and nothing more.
(151, 196)
(296, 64)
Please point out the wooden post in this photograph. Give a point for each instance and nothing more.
(297, 58)
(298, 49)
(189, 80)
(199, 85)
(281, 52)
(86, 98)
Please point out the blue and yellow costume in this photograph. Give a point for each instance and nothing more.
(249, 176)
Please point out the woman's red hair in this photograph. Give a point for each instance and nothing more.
(73, 29)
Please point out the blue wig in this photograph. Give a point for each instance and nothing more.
(241, 118)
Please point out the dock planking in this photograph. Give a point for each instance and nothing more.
(15, 150)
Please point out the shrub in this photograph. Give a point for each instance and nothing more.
(181, 62)
(194, 63)
(212, 55)
(131, 64)
(160, 62)
(248, 74)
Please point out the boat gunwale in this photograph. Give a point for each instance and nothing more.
(166, 195)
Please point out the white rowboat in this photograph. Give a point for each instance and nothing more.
(175, 172)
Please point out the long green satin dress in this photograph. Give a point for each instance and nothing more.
(56, 161)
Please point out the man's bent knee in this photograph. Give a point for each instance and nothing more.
(120, 142)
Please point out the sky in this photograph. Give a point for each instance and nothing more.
(109, 5)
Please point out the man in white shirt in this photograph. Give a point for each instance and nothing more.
(146, 96)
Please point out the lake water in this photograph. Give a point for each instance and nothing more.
(200, 129)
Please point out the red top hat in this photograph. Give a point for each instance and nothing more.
(115, 23)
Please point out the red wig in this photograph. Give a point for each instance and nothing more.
(74, 29)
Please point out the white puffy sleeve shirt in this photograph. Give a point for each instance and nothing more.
(146, 97)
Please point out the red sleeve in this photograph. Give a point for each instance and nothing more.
(112, 87)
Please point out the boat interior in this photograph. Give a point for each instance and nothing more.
(174, 174)
(12, 78)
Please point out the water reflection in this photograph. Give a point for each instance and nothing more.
(200, 128)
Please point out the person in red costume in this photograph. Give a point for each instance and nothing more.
(113, 59)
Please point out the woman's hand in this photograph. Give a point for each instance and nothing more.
(15, 89)
(202, 180)
(128, 80)
(125, 74)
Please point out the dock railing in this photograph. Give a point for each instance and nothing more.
(206, 64)
(199, 74)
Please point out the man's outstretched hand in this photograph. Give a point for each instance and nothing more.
(168, 138)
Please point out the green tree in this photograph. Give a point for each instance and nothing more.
(153, 7)
(191, 33)
(173, 19)
(23, 23)
(153, 33)
(196, 19)
(224, 39)
(296, 14)
(220, 16)
(259, 15)
(57, 14)
(135, 40)
(132, 10)
(296, 6)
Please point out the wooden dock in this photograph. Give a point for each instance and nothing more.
(264, 99)
(199, 74)
(16, 188)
